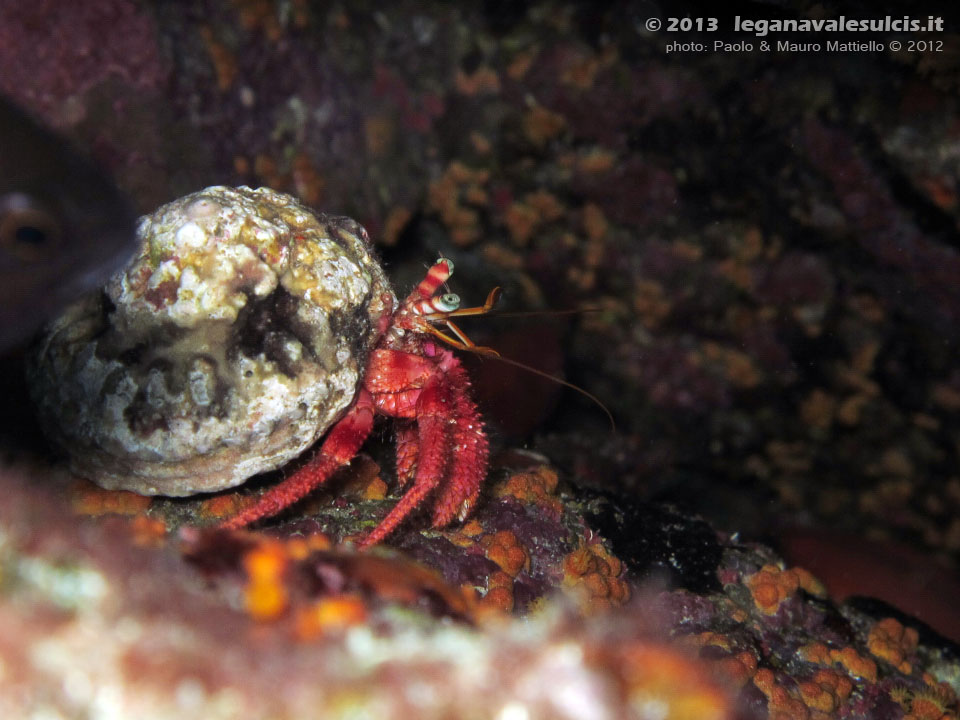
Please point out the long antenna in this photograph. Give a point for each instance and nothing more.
(462, 342)
(489, 352)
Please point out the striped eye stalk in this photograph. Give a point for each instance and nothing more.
(439, 305)
(425, 303)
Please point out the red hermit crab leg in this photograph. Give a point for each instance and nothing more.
(471, 448)
(406, 453)
(433, 443)
(433, 309)
(452, 451)
(340, 446)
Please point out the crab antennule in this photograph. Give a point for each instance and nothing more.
(492, 297)
(441, 307)
(464, 343)
(469, 344)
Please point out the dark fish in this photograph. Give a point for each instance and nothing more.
(64, 226)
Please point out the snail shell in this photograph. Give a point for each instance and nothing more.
(235, 337)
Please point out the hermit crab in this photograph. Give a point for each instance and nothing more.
(246, 328)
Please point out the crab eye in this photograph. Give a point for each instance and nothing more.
(447, 303)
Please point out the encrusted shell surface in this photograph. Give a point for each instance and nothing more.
(237, 335)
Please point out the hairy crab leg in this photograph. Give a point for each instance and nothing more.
(433, 422)
(468, 461)
(407, 451)
(341, 445)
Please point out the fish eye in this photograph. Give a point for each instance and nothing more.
(28, 231)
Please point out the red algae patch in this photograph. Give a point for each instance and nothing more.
(88, 499)
(506, 551)
(222, 506)
(456, 197)
(781, 703)
(498, 598)
(532, 487)
(826, 690)
(594, 571)
(855, 664)
(891, 641)
(772, 585)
